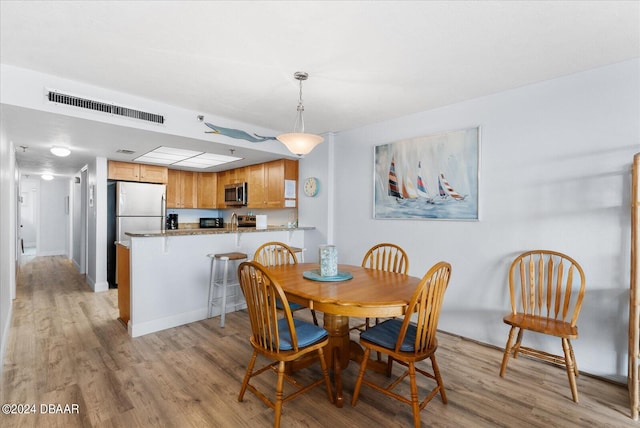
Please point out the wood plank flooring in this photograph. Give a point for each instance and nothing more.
(66, 346)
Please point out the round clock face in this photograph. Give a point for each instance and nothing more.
(311, 186)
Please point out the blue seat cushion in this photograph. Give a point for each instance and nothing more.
(307, 334)
(386, 335)
(292, 306)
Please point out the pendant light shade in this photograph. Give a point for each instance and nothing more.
(298, 142)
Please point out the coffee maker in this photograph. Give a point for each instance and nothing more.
(172, 221)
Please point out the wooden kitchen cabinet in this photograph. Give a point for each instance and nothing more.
(128, 171)
(276, 173)
(237, 175)
(182, 189)
(255, 186)
(223, 178)
(122, 279)
(267, 181)
(154, 174)
(124, 171)
(207, 190)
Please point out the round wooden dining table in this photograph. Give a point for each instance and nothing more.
(369, 293)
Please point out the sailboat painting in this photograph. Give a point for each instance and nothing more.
(445, 170)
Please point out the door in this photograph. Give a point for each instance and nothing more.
(29, 197)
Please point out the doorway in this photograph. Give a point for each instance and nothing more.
(29, 215)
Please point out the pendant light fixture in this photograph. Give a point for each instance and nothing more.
(298, 142)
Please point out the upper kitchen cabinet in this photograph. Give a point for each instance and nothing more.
(207, 190)
(127, 171)
(268, 182)
(255, 186)
(154, 174)
(223, 178)
(182, 189)
(237, 175)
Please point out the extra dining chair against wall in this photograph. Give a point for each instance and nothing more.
(546, 290)
(276, 254)
(387, 257)
(280, 340)
(407, 342)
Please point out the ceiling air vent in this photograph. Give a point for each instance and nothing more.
(71, 100)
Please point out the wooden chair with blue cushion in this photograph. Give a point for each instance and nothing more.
(278, 339)
(407, 342)
(546, 290)
(387, 257)
(276, 254)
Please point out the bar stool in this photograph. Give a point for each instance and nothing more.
(299, 253)
(213, 282)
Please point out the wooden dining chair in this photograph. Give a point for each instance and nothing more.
(276, 254)
(387, 257)
(546, 290)
(407, 342)
(278, 339)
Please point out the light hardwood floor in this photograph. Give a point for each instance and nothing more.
(67, 347)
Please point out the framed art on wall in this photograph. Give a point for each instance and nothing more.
(431, 177)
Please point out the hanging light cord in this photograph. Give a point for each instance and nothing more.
(299, 125)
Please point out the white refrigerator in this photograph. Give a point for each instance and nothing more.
(140, 207)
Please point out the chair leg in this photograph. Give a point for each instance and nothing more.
(225, 276)
(279, 394)
(389, 365)
(436, 373)
(507, 351)
(415, 405)
(363, 367)
(516, 347)
(573, 358)
(247, 375)
(566, 347)
(325, 374)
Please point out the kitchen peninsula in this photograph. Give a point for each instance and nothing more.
(169, 271)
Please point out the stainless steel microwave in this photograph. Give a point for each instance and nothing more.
(235, 194)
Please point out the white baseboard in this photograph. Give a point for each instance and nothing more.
(51, 253)
(140, 329)
(99, 287)
(4, 340)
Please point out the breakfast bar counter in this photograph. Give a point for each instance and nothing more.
(169, 270)
(213, 231)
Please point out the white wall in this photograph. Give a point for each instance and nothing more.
(97, 226)
(555, 164)
(8, 195)
(77, 224)
(314, 211)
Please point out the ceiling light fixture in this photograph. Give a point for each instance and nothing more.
(47, 177)
(298, 142)
(60, 151)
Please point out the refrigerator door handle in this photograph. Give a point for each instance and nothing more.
(163, 212)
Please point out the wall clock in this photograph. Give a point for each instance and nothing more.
(311, 186)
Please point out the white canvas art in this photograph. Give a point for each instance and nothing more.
(429, 177)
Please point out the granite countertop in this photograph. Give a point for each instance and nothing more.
(211, 231)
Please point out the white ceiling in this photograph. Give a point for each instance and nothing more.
(368, 61)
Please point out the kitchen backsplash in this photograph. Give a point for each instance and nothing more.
(275, 217)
